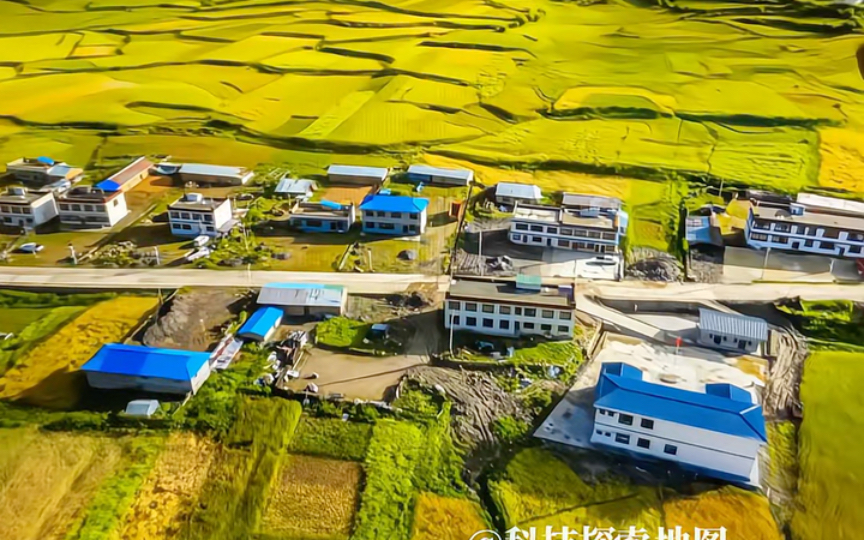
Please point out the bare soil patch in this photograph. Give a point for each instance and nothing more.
(195, 319)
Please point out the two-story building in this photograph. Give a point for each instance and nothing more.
(324, 216)
(353, 174)
(43, 171)
(20, 207)
(86, 207)
(204, 174)
(551, 226)
(813, 224)
(509, 309)
(194, 215)
(438, 175)
(394, 214)
(716, 433)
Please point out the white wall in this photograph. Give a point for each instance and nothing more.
(550, 234)
(113, 210)
(40, 211)
(843, 246)
(699, 447)
(511, 319)
(404, 219)
(221, 215)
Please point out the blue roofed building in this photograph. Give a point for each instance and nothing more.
(394, 214)
(716, 433)
(148, 369)
(262, 324)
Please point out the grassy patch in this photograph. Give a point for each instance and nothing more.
(530, 351)
(345, 333)
(446, 518)
(783, 449)
(831, 489)
(828, 323)
(332, 437)
(745, 515)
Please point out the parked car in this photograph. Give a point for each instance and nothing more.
(30, 247)
(603, 260)
(201, 240)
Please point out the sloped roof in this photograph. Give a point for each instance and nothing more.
(355, 170)
(301, 294)
(213, 170)
(733, 324)
(707, 411)
(139, 361)
(394, 203)
(459, 174)
(519, 191)
(296, 185)
(261, 322)
(593, 201)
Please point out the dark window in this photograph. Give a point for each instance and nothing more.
(831, 233)
(396, 215)
(782, 227)
(528, 326)
(826, 245)
(488, 308)
(470, 306)
(313, 222)
(471, 321)
(504, 325)
(382, 214)
(643, 443)
(670, 449)
(546, 327)
(413, 215)
(453, 305)
(599, 432)
(537, 228)
(368, 213)
(518, 311)
(530, 312)
(488, 323)
(548, 314)
(625, 419)
(564, 243)
(521, 227)
(622, 439)
(565, 315)
(563, 329)
(552, 230)
(647, 424)
(504, 310)
(370, 224)
(456, 320)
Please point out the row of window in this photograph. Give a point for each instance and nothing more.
(785, 240)
(206, 218)
(455, 305)
(389, 226)
(393, 215)
(319, 223)
(564, 244)
(84, 219)
(565, 231)
(187, 227)
(805, 230)
(16, 210)
(504, 324)
(7, 219)
(641, 442)
(67, 207)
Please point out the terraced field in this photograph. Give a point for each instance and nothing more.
(766, 94)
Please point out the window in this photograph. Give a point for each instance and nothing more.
(413, 215)
(175, 226)
(382, 214)
(88, 207)
(552, 230)
(646, 423)
(781, 227)
(598, 432)
(758, 237)
(488, 323)
(565, 315)
(386, 226)
(396, 215)
(831, 233)
(567, 232)
(548, 314)
(16, 210)
(622, 439)
(504, 324)
(521, 227)
(175, 215)
(530, 312)
(809, 243)
(516, 237)
(488, 308)
(854, 249)
(826, 245)
(470, 306)
(856, 237)
(313, 222)
(562, 329)
(670, 449)
(504, 310)
(546, 327)
(564, 243)
(186, 227)
(208, 219)
(537, 228)
(64, 207)
(780, 239)
(528, 326)
(453, 305)
(370, 224)
(210, 229)
(27, 210)
(643, 443)
(625, 419)
(368, 213)
(536, 239)
(762, 225)
(518, 311)
(470, 321)
(76, 207)
(455, 320)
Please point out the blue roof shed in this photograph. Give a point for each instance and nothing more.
(140, 361)
(261, 325)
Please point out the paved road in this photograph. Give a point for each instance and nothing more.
(147, 278)
(392, 283)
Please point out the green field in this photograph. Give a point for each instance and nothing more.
(831, 484)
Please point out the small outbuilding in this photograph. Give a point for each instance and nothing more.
(437, 175)
(142, 407)
(731, 331)
(510, 193)
(262, 324)
(352, 174)
(149, 369)
(304, 299)
(202, 174)
(296, 188)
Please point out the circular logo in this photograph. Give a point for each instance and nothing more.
(485, 535)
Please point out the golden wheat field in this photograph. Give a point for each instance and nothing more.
(745, 515)
(446, 518)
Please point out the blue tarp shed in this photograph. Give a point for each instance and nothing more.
(151, 369)
(108, 185)
(261, 325)
(712, 411)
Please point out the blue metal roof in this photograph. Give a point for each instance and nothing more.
(108, 185)
(394, 203)
(707, 411)
(622, 370)
(262, 321)
(138, 361)
(729, 391)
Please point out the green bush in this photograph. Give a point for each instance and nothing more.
(332, 438)
(510, 430)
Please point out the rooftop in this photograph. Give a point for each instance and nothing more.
(299, 186)
(459, 174)
(732, 324)
(19, 195)
(519, 191)
(809, 218)
(507, 292)
(355, 170)
(213, 170)
(127, 173)
(195, 201)
(89, 194)
(733, 413)
(591, 201)
(323, 209)
(554, 214)
(261, 322)
(36, 163)
(139, 361)
(301, 294)
(394, 203)
(831, 204)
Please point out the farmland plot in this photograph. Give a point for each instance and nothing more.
(445, 518)
(745, 515)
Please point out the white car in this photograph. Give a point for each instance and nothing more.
(30, 247)
(201, 241)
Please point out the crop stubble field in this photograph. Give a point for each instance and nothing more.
(766, 95)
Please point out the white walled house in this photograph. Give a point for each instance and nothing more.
(718, 433)
(89, 207)
(503, 309)
(814, 225)
(43, 171)
(22, 208)
(193, 215)
(394, 215)
(731, 331)
(591, 230)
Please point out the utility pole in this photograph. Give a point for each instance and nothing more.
(156, 252)
(72, 254)
(765, 262)
(480, 252)
(451, 332)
